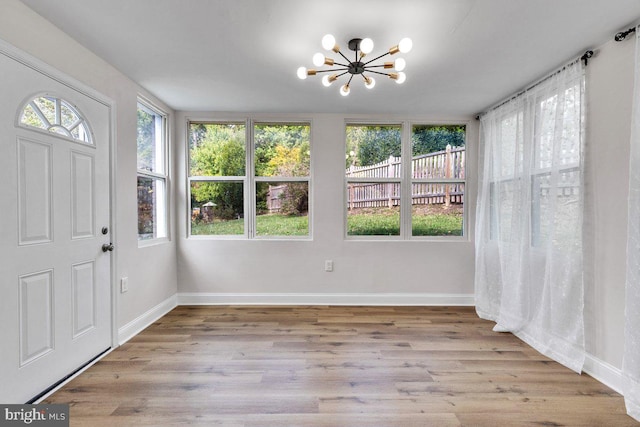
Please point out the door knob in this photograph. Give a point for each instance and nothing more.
(107, 247)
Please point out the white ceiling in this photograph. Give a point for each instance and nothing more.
(242, 55)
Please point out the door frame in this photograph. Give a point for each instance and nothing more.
(53, 73)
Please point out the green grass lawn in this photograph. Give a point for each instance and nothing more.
(266, 225)
(388, 224)
(383, 222)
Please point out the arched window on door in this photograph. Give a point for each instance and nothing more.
(55, 115)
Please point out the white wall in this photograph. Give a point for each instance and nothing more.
(609, 99)
(365, 268)
(151, 270)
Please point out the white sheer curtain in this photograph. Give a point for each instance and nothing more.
(631, 361)
(530, 214)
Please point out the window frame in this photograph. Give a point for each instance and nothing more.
(406, 182)
(249, 180)
(59, 102)
(163, 176)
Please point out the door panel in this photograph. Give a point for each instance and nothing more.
(55, 280)
(36, 316)
(82, 197)
(83, 297)
(34, 192)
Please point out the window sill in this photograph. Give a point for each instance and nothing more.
(153, 242)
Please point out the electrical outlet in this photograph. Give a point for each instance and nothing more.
(124, 285)
(328, 265)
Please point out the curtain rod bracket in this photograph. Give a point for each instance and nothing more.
(623, 34)
(588, 54)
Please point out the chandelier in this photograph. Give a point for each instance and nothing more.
(359, 66)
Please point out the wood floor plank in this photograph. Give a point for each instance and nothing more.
(332, 366)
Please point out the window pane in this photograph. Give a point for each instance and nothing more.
(558, 136)
(68, 117)
(217, 149)
(504, 204)
(438, 152)
(150, 140)
(556, 208)
(373, 209)
(282, 209)
(48, 108)
(30, 118)
(217, 208)
(437, 209)
(282, 150)
(510, 154)
(151, 209)
(373, 151)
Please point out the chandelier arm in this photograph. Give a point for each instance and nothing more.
(346, 70)
(342, 54)
(340, 63)
(378, 72)
(376, 58)
(366, 67)
(350, 78)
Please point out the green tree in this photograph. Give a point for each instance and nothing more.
(218, 150)
(269, 136)
(145, 140)
(290, 162)
(283, 150)
(429, 139)
(372, 144)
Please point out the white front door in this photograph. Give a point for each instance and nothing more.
(55, 297)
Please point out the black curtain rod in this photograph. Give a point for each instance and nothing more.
(585, 57)
(623, 34)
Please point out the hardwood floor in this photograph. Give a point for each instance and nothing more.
(333, 366)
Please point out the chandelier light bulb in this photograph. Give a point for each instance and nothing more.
(401, 78)
(366, 46)
(400, 64)
(369, 82)
(405, 45)
(344, 90)
(325, 81)
(328, 42)
(318, 59)
(302, 73)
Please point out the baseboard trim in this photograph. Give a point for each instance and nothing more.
(602, 371)
(138, 324)
(407, 299)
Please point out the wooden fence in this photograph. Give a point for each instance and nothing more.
(447, 164)
(275, 196)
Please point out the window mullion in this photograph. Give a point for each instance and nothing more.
(250, 185)
(406, 186)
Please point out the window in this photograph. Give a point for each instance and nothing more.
(55, 115)
(391, 193)
(437, 180)
(264, 173)
(552, 177)
(152, 173)
(555, 175)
